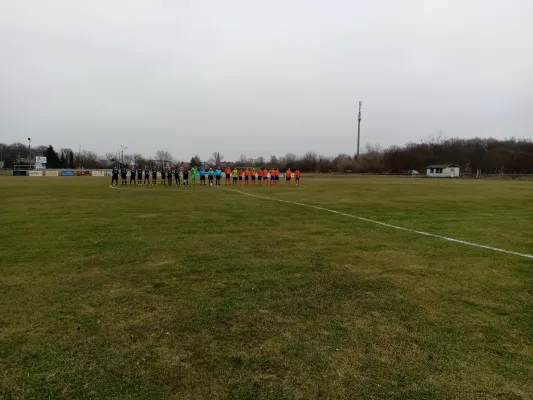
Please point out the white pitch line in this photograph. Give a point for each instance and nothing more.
(482, 246)
(147, 190)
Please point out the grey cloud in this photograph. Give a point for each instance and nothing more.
(262, 78)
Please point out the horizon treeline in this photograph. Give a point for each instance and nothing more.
(489, 155)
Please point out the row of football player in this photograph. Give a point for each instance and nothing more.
(263, 176)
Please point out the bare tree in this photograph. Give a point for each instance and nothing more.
(138, 159)
(163, 157)
(434, 140)
(128, 159)
(309, 162)
(273, 162)
(371, 160)
(215, 159)
(324, 164)
(39, 150)
(288, 160)
(88, 159)
(342, 163)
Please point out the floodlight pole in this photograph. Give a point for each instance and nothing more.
(29, 149)
(359, 128)
(122, 148)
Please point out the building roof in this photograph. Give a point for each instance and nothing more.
(442, 166)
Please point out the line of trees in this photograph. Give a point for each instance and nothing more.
(18, 153)
(489, 155)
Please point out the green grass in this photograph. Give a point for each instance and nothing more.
(202, 293)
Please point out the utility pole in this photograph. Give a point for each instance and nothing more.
(122, 149)
(359, 128)
(29, 149)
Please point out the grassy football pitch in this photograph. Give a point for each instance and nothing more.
(193, 293)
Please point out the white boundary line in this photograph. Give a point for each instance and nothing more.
(141, 189)
(482, 246)
(158, 186)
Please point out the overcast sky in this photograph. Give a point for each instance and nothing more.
(262, 77)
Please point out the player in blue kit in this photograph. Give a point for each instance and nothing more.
(210, 176)
(218, 176)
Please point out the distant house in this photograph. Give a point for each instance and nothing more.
(442, 171)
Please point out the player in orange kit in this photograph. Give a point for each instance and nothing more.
(227, 171)
(252, 174)
(246, 176)
(240, 176)
(265, 176)
(288, 176)
(272, 176)
(297, 176)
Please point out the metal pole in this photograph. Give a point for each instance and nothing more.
(29, 149)
(122, 149)
(359, 128)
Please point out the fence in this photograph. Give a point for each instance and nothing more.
(54, 172)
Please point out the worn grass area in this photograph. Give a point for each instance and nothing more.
(204, 293)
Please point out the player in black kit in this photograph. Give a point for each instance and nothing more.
(154, 176)
(177, 176)
(133, 174)
(115, 175)
(185, 177)
(146, 175)
(139, 176)
(123, 174)
(169, 176)
(163, 176)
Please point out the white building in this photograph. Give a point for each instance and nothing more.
(443, 171)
